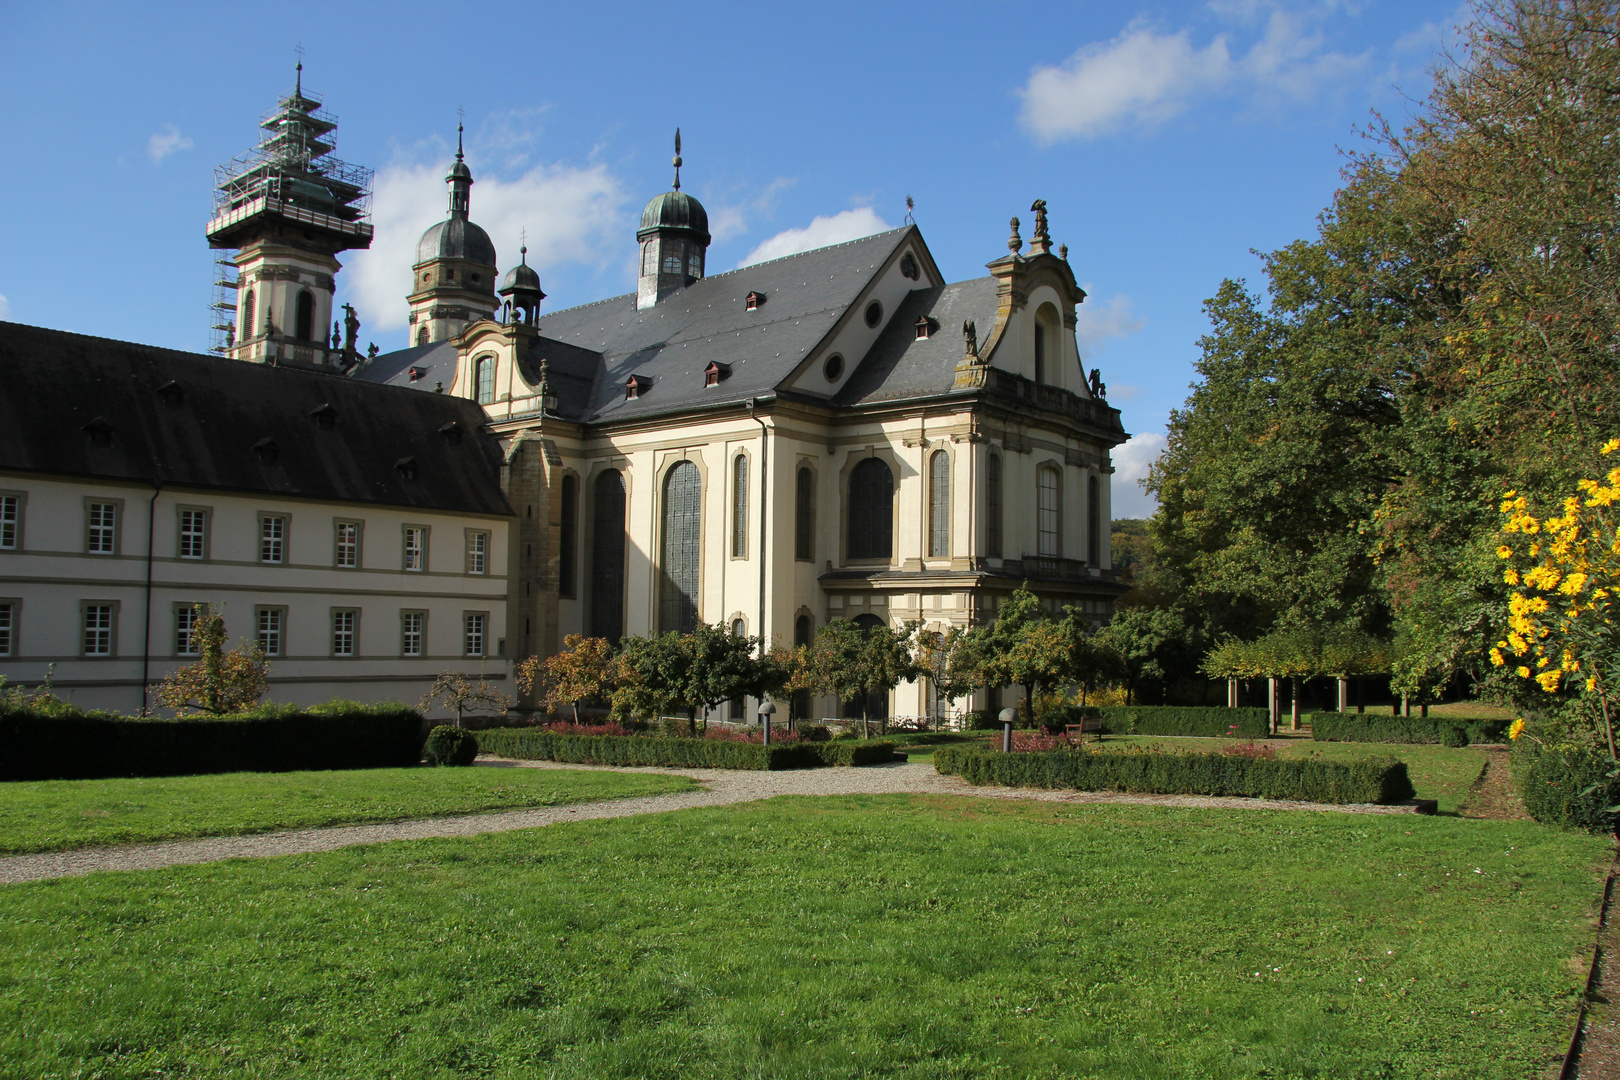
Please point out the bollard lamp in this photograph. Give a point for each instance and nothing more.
(766, 711)
(1008, 717)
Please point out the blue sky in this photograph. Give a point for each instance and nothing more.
(1168, 140)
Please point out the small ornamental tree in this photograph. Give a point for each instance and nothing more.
(1041, 655)
(652, 675)
(587, 669)
(723, 667)
(1565, 572)
(950, 665)
(458, 691)
(219, 682)
(855, 663)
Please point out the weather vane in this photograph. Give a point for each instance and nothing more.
(910, 206)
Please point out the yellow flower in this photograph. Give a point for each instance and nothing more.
(1497, 659)
(1516, 728)
(1549, 679)
(1522, 671)
(1611, 446)
(1510, 576)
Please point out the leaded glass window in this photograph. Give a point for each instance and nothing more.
(568, 542)
(1048, 537)
(739, 507)
(992, 506)
(682, 549)
(871, 510)
(1040, 353)
(1094, 522)
(607, 557)
(486, 380)
(804, 516)
(939, 505)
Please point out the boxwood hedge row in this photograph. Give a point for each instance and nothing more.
(1372, 727)
(1373, 780)
(537, 744)
(67, 745)
(1567, 785)
(1210, 721)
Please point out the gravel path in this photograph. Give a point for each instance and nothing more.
(721, 787)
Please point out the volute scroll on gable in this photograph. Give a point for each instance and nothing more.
(1017, 277)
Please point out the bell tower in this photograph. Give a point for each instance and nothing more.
(674, 237)
(287, 208)
(453, 277)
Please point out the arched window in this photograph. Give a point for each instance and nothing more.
(306, 316)
(422, 336)
(1094, 522)
(607, 557)
(1047, 533)
(739, 704)
(484, 374)
(739, 507)
(804, 516)
(877, 701)
(803, 634)
(245, 328)
(672, 262)
(939, 505)
(567, 546)
(992, 506)
(682, 549)
(871, 511)
(1040, 353)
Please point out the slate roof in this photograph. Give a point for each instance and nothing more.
(899, 366)
(59, 384)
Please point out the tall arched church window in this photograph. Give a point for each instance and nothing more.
(484, 371)
(939, 505)
(1048, 536)
(804, 516)
(803, 634)
(1094, 522)
(568, 546)
(739, 507)
(992, 506)
(306, 316)
(246, 329)
(607, 557)
(871, 511)
(1040, 353)
(682, 549)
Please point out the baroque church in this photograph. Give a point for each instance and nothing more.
(837, 433)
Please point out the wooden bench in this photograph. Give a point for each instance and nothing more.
(1077, 732)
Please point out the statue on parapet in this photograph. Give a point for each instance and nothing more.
(970, 332)
(1099, 389)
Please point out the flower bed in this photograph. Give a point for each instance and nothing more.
(1373, 780)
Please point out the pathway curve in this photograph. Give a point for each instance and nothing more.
(721, 787)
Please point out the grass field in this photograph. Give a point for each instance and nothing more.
(49, 815)
(858, 937)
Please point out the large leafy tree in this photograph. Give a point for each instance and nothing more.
(855, 662)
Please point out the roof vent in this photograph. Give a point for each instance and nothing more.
(925, 327)
(325, 416)
(100, 432)
(451, 432)
(406, 467)
(716, 371)
(416, 373)
(172, 393)
(754, 300)
(636, 385)
(269, 453)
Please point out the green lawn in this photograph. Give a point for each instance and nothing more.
(49, 815)
(874, 936)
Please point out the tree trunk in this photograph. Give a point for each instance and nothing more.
(1272, 703)
(1293, 705)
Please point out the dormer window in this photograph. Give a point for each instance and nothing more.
(754, 300)
(715, 372)
(269, 453)
(451, 432)
(406, 467)
(99, 431)
(925, 327)
(172, 393)
(635, 386)
(416, 373)
(324, 417)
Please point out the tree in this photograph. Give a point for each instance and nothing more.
(947, 662)
(1150, 644)
(652, 676)
(855, 662)
(219, 682)
(587, 669)
(723, 667)
(458, 691)
(696, 671)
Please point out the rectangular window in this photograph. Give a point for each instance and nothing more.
(10, 522)
(804, 516)
(272, 622)
(8, 627)
(98, 629)
(347, 538)
(477, 552)
(415, 548)
(1047, 510)
(343, 631)
(567, 544)
(272, 539)
(992, 506)
(185, 629)
(477, 624)
(101, 536)
(411, 625)
(193, 534)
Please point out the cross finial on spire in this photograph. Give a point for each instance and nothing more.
(677, 159)
(298, 86)
(523, 251)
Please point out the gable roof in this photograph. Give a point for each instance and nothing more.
(201, 431)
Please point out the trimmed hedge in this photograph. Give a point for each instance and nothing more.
(852, 753)
(1373, 727)
(90, 746)
(450, 745)
(1566, 785)
(537, 744)
(1373, 780)
(1208, 721)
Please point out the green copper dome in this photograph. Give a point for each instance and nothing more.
(674, 210)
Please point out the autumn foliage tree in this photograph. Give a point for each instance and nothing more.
(587, 669)
(218, 682)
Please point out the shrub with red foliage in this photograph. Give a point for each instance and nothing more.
(1250, 749)
(1033, 741)
(568, 727)
(724, 734)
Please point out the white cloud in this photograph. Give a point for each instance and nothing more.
(729, 219)
(572, 215)
(5, 307)
(1144, 77)
(166, 142)
(1099, 321)
(1131, 461)
(821, 232)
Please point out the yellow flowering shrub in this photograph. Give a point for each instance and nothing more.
(1565, 570)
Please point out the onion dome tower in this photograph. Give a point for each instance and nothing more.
(453, 278)
(674, 238)
(521, 287)
(288, 207)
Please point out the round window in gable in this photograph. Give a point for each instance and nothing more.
(874, 313)
(833, 368)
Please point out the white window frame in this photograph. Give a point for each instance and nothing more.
(12, 504)
(274, 532)
(10, 616)
(420, 551)
(105, 644)
(200, 517)
(270, 625)
(345, 632)
(477, 552)
(338, 544)
(407, 631)
(98, 530)
(475, 634)
(186, 617)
